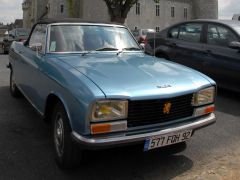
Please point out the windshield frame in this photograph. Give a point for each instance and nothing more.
(87, 24)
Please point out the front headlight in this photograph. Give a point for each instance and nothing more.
(109, 110)
(205, 96)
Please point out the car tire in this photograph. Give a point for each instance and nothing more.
(14, 91)
(67, 153)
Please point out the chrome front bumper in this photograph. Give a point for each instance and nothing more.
(96, 143)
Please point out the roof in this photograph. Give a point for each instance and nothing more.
(72, 20)
(227, 22)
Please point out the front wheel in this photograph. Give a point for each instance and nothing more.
(14, 91)
(68, 155)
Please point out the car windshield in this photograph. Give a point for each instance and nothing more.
(23, 32)
(82, 38)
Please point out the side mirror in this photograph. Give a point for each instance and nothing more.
(142, 46)
(235, 45)
(36, 47)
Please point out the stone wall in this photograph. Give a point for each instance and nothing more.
(205, 9)
(96, 10)
(148, 18)
(26, 6)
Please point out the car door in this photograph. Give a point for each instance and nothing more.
(186, 44)
(32, 58)
(223, 62)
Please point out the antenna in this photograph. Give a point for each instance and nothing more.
(154, 44)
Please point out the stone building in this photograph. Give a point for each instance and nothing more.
(144, 14)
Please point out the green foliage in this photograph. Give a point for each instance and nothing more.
(73, 8)
(70, 8)
(118, 9)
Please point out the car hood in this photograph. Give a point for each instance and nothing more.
(136, 75)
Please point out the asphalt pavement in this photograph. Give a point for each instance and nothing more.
(26, 150)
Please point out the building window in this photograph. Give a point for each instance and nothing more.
(157, 29)
(185, 13)
(48, 7)
(138, 8)
(157, 10)
(62, 8)
(172, 12)
(135, 28)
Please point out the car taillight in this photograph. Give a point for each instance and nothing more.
(145, 41)
(142, 39)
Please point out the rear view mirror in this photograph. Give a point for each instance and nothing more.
(36, 47)
(235, 45)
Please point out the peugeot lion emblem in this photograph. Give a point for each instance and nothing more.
(167, 108)
(164, 86)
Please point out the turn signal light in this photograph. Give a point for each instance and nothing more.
(101, 128)
(210, 109)
(204, 110)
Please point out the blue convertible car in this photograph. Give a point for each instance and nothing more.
(98, 89)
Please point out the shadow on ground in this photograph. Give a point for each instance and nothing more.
(227, 101)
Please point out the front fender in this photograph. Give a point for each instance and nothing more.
(76, 111)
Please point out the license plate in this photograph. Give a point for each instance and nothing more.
(168, 139)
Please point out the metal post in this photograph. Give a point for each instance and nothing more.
(154, 44)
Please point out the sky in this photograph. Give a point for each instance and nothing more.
(12, 9)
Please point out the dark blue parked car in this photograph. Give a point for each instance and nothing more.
(209, 46)
(99, 90)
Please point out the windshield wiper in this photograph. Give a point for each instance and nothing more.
(87, 52)
(128, 49)
(112, 49)
(131, 49)
(100, 49)
(107, 49)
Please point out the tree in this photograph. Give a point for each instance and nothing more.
(118, 9)
(73, 8)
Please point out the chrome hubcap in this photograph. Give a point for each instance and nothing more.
(59, 135)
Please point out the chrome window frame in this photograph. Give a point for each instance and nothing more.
(46, 39)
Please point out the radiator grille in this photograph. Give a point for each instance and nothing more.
(146, 112)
